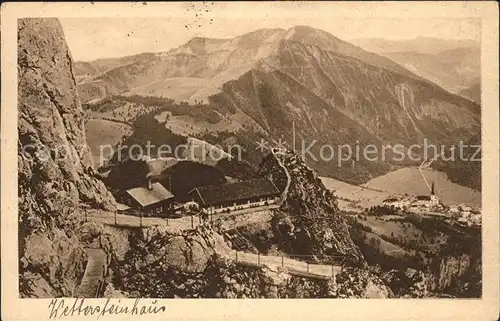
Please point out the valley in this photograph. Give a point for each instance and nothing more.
(335, 93)
(409, 181)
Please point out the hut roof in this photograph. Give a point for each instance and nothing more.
(216, 194)
(146, 197)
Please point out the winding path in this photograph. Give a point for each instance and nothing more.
(288, 177)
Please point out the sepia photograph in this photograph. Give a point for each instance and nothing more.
(263, 156)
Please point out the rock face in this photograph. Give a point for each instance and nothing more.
(164, 265)
(55, 174)
(189, 250)
(408, 283)
(311, 214)
(458, 275)
(167, 253)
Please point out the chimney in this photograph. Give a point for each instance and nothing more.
(432, 188)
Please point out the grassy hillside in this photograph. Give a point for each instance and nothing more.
(100, 132)
(178, 89)
(473, 93)
(354, 197)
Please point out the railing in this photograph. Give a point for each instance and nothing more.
(97, 244)
(190, 221)
(100, 286)
(134, 218)
(303, 265)
(293, 265)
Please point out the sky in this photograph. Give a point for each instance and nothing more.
(94, 38)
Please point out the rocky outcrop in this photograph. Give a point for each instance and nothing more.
(310, 213)
(225, 279)
(189, 250)
(458, 275)
(360, 283)
(452, 277)
(52, 264)
(415, 266)
(449, 269)
(55, 173)
(189, 266)
(408, 283)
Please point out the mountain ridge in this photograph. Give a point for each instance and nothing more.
(333, 95)
(418, 44)
(250, 46)
(336, 64)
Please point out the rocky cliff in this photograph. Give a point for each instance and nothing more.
(451, 276)
(459, 275)
(55, 174)
(311, 220)
(426, 257)
(163, 264)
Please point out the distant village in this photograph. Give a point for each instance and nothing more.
(431, 204)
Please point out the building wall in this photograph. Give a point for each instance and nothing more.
(242, 204)
(126, 199)
(164, 207)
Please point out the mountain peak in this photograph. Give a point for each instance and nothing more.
(303, 28)
(258, 37)
(300, 32)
